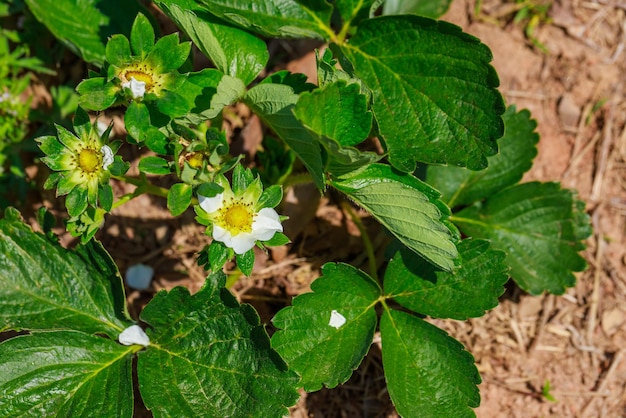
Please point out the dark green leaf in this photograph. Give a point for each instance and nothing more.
(460, 186)
(278, 239)
(276, 18)
(245, 261)
(210, 189)
(179, 198)
(540, 226)
(273, 103)
(212, 357)
(337, 111)
(65, 374)
(154, 165)
(137, 121)
(45, 286)
(465, 293)
(97, 93)
(219, 254)
(407, 207)
(233, 51)
(435, 96)
(76, 201)
(350, 9)
(428, 373)
(313, 338)
(426, 8)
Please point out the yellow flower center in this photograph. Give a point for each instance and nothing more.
(237, 217)
(89, 160)
(140, 76)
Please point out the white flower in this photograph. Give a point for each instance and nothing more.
(237, 222)
(107, 156)
(137, 88)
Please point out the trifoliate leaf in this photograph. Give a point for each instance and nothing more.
(409, 208)
(65, 374)
(210, 357)
(337, 111)
(435, 96)
(540, 226)
(44, 286)
(325, 334)
(232, 50)
(274, 103)
(428, 373)
(276, 18)
(460, 186)
(467, 292)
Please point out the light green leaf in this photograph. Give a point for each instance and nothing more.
(45, 286)
(435, 96)
(407, 207)
(233, 51)
(540, 226)
(179, 198)
(427, 8)
(229, 90)
(460, 186)
(85, 26)
(274, 103)
(276, 18)
(465, 293)
(65, 374)
(209, 356)
(428, 373)
(337, 111)
(313, 338)
(350, 9)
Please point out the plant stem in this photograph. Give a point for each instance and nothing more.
(143, 186)
(295, 179)
(367, 242)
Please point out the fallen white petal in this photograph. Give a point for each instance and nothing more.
(107, 156)
(139, 276)
(336, 319)
(134, 335)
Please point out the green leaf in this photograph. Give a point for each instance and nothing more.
(325, 351)
(141, 36)
(428, 373)
(278, 239)
(179, 198)
(84, 26)
(97, 93)
(168, 54)
(65, 374)
(137, 121)
(540, 226)
(337, 111)
(427, 8)
(105, 197)
(271, 197)
(245, 262)
(460, 186)
(435, 96)
(44, 286)
(233, 51)
(407, 207)
(154, 165)
(219, 254)
(274, 103)
(343, 160)
(349, 9)
(465, 293)
(118, 50)
(209, 356)
(276, 18)
(229, 90)
(76, 201)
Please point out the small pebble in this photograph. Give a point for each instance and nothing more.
(139, 276)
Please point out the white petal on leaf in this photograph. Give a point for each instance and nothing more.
(139, 276)
(107, 156)
(337, 320)
(134, 335)
(211, 204)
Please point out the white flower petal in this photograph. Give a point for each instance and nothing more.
(337, 320)
(134, 335)
(139, 276)
(242, 243)
(266, 224)
(211, 204)
(137, 88)
(107, 156)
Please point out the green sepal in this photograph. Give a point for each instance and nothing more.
(52, 180)
(82, 123)
(154, 165)
(67, 138)
(97, 93)
(119, 167)
(168, 54)
(209, 189)
(76, 201)
(179, 198)
(242, 179)
(141, 36)
(278, 239)
(219, 254)
(50, 145)
(137, 121)
(64, 185)
(118, 50)
(271, 197)
(105, 197)
(245, 261)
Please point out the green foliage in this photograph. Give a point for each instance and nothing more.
(427, 8)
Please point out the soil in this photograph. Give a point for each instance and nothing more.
(575, 89)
